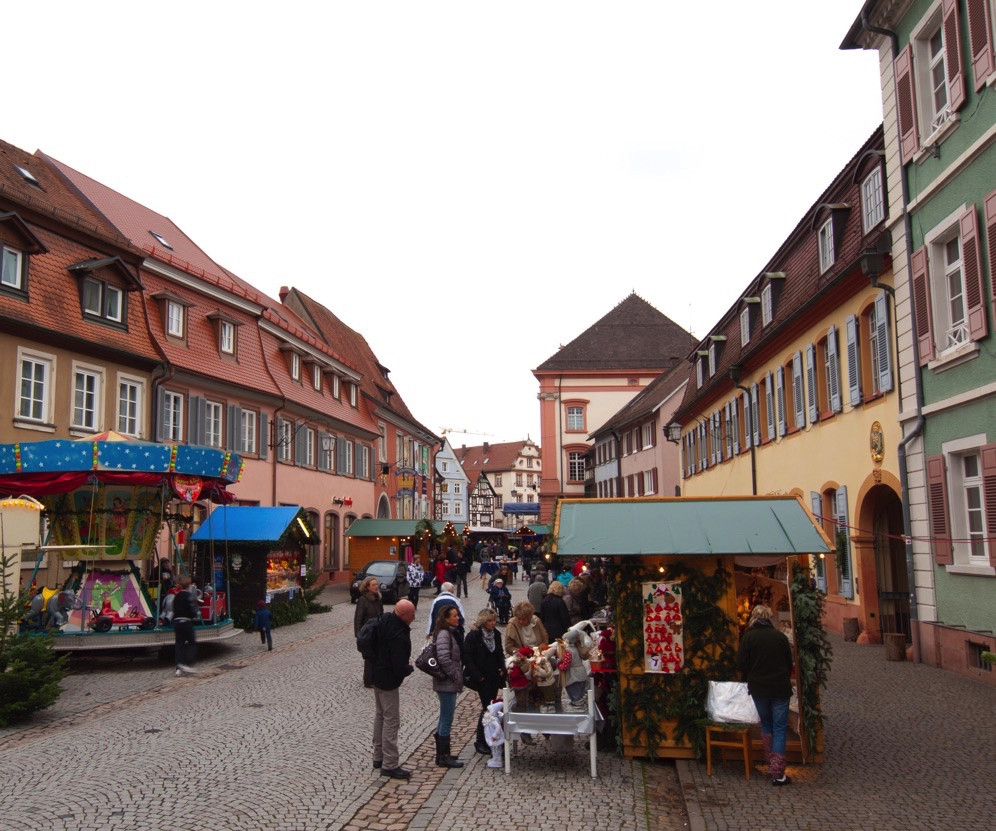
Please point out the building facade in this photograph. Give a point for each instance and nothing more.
(937, 70)
(514, 471)
(452, 501)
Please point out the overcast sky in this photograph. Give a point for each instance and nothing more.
(468, 184)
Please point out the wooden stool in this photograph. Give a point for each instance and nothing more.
(742, 741)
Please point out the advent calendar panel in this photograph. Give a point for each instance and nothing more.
(663, 627)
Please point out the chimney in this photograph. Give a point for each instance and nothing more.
(486, 446)
(284, 291)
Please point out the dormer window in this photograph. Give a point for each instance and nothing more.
(352, 395)
(335, 386)
(13, 268)
(745, 326)
(767, 307)
(316, 376)
(828, 222)
(226, 337)
(175, 318)
(295, 366)
(872, 200)
(827, 254)
(102, 300)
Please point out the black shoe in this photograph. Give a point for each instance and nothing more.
(783, 781)
(482, 747)
(377, 763)
(396, 773)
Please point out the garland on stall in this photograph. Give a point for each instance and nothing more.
(813, 647)
(651, 699)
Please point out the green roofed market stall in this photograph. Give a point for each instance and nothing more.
(676, 568)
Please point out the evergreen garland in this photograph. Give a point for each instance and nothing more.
(813, 647)
(709, 640)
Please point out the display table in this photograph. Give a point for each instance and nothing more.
(579, 723)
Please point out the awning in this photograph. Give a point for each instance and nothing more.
(253, 523)
(687, 526)
(519, 508)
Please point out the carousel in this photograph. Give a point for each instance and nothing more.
(115, 515)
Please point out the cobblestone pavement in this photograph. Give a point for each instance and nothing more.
(281, 741)
(907, 747)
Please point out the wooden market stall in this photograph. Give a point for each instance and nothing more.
(674, 599)
(391, 539)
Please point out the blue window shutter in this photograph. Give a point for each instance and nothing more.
(300, 444)
(814, 412)
(263, 439)
(755, 420)
(340, 455)
(853, 361)
(882, 331)
(833, 371)
(748, 422)
(840, 509)
(769, 402)
(160, 414)
(816, 500)
(798, 395)
(780, 399)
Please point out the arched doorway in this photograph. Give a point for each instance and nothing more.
(330, 541)
(892, 580)
(383, 507)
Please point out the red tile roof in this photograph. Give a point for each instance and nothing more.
(491, 457)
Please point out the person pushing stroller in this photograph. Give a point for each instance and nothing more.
(501, 597)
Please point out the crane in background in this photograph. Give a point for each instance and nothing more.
(448, 430)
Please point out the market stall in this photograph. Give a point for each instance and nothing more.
(674, 599)
(108, 499)
(266, 550)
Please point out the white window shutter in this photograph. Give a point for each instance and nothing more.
(263, 439)
(769, 401)
(833, 371)
(840, 509)
(735, 425)
(780, 399)
(748, 422)
(755, 420)
(813, 400)
(816, 501)
(798, 396)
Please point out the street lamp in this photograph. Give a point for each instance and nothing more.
(672, 432)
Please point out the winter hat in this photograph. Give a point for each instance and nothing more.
(260, 604)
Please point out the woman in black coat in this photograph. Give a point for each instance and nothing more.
(554, 613)
(484, 662)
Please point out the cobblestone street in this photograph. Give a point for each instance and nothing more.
(280, 741)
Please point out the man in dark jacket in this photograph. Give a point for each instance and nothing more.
(391, 666)
(185, 611)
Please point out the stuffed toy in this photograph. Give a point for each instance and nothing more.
(545, 677)
(494, 731)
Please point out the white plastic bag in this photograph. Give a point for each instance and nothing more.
(729, 702)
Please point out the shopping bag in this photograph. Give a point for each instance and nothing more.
(427, 662)
(729, 702)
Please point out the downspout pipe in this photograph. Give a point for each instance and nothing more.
(918, 424)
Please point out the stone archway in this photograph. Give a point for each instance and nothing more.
(882, 564)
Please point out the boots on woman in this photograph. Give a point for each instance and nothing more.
(766, 741)
(480, 745)
(443, 757)
(777, 770)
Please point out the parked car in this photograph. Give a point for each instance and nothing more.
(390, 574)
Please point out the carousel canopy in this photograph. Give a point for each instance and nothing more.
(62, 465)
(251, 523)
(687, 526)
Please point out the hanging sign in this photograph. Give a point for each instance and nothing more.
(663, 627)
(188, 488)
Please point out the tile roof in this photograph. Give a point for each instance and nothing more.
(376, 383)
(633, 335)
(490, 457)
(804, 289)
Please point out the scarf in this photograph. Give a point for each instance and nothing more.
(488, 636)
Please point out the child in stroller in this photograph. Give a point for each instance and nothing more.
(501, 599)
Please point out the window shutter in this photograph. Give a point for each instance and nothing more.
(909, 135)
(921, 305)
(160, 414)
(654, 483)
(978, 326)
(846, 582)
(989, 490)
(990, 208)
(780, 398)
(853, 361)
(233, 425)
(340, 456)
(798, 395)
(769, 403)
(754, 419)
(882, 331)
(197, 428)
(952, 54)
(814, 411)
(980, 41)
(717, 438)
(735, 425)
(748, 422)
(263, 438)
(937, 503)
(300, 445)
(833, 371)
(816, 501)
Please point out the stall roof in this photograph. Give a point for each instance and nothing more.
(520, 508)
(393, 527)
(687, 526)
(246, 523)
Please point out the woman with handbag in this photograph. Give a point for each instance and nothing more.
(484, 666)
(444, 636)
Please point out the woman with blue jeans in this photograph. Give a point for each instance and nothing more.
(446, 636)
(765, 661)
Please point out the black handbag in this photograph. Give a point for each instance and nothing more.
(427, 661)
(468, 680)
